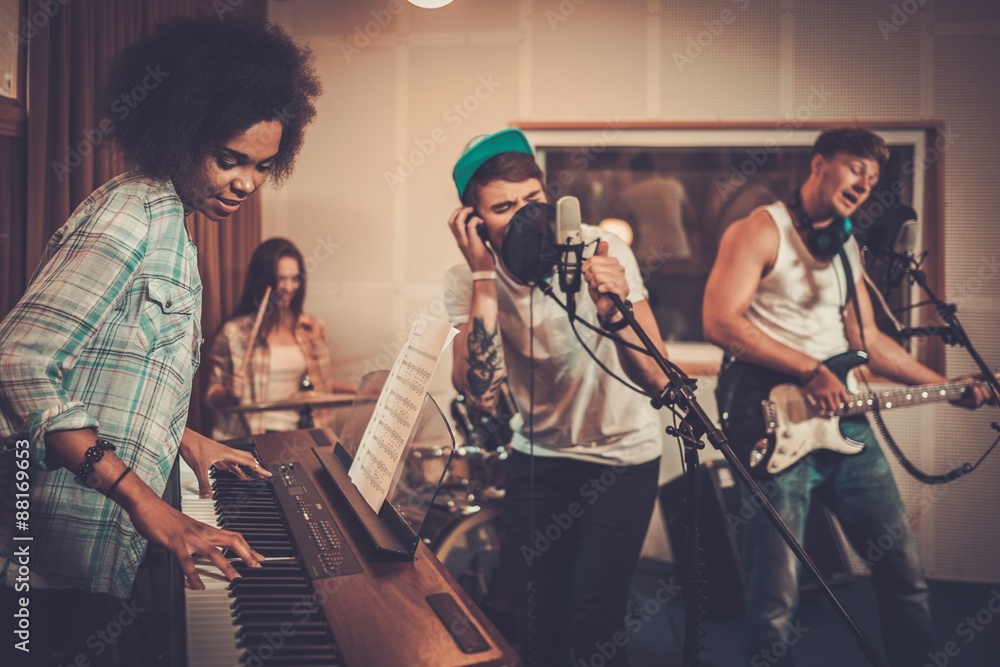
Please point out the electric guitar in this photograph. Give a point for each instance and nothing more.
(788, 424)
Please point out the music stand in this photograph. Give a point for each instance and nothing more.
(395, 529)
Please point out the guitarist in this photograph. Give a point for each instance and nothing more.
(778, 301)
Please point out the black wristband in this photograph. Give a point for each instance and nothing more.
(92, 456)
(118, 481)
(615, 326)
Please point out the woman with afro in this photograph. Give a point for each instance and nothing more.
(98, 357)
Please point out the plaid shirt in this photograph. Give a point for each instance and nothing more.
(227, 353)
(106, 337)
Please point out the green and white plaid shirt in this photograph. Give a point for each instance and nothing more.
(107, 337)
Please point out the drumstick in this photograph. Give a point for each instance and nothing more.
(255, 330)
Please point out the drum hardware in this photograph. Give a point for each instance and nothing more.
(475, 475)
(312, 399)
(482, 429)
(304, 402)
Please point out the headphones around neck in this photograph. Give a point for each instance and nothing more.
(825, 242)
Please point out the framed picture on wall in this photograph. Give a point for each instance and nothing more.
(672, 190)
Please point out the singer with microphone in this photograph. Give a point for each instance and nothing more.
(787, 294)
(582, 477)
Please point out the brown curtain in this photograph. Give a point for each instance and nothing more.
(12, 227)
(68, 154)
(224, 251)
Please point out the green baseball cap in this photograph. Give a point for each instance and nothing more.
(482, 149)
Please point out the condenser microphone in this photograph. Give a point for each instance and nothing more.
(906, 239)
(901, 255)
(569, 246)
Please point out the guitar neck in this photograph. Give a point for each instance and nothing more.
(905, 396)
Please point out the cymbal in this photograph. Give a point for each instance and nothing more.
(315, 399)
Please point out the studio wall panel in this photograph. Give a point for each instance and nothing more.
(965, 524)
(965, 10)
(339, 198)
(982, 326)
(356, 350)
(588, 60)
(964, 63)
(478, 96)
(720, 60)
(845, 68)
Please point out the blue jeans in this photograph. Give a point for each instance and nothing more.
(862, 493)
(570, 571)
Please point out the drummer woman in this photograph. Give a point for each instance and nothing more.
(290, 354)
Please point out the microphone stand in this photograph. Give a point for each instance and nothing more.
(679, 393)
(954, 333)
(945, 333)
(306, 414)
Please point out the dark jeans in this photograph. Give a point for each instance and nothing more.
(861, 491)
(571, 567)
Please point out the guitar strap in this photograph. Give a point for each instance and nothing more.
(851, 293)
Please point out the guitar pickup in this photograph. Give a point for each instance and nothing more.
(770, 417)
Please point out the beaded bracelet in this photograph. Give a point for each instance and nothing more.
(118, 481)
(92, 456)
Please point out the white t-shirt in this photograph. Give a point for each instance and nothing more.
(799, 303)
(579, 411)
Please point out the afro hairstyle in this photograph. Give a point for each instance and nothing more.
(195, 83)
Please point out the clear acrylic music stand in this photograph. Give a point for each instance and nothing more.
(395, 529)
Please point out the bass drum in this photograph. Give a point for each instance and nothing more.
(469, 543)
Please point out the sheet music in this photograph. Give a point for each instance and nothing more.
(397, 409)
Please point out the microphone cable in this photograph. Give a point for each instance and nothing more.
(573, 319)
(897, 452)
(547, 290)
(593, 355)
(915, 472)
(532, 612)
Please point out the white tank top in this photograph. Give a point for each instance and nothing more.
(288, 364)
(800, 301)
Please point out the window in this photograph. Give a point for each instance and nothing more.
(678, 190)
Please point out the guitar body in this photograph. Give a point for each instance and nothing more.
(770, 420)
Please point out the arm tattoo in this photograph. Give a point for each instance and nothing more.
(485, 358)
